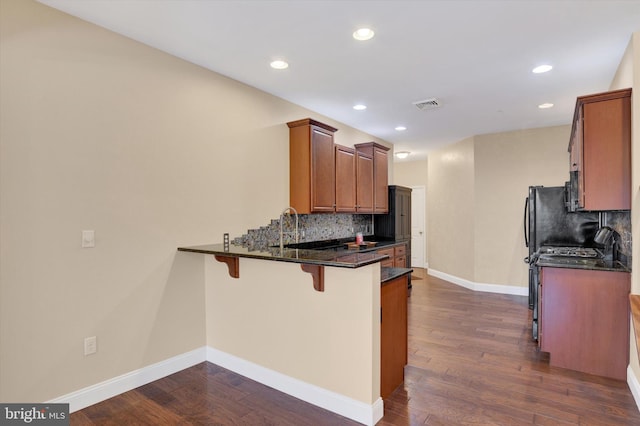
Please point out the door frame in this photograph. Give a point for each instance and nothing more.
(423, 206)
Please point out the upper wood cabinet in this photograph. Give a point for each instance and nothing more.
(600, 150)
(379, 153)
(364, 182)
(325, 177)
(312, 185)
(345, 179)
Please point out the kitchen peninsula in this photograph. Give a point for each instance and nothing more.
(306, 322)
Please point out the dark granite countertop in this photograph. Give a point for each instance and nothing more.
(595, 264)
(339, 258)
(371, 244)
(387, 274)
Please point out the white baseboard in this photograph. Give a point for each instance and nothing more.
(634, 385)
(109, 388)
(488, 288)
(368, 414)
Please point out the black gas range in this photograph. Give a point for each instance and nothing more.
(583, 252)
(557, 256)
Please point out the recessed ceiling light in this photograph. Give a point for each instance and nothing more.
(363, 34)
(359, 107)
(402, 154)
(542, 68)
(279, 64)
(545, 105)
(401, 128)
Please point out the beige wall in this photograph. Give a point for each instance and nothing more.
(506, 164)
(411, 173)
(100, 132)
(451, 219)
(330, 339)
(476, 193)
(628, 75)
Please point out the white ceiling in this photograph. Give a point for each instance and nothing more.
(475, 56)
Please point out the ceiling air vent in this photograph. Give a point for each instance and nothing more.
(430, 103)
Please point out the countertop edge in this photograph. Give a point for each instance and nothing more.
(321, 262)
(389, 274)
(620, 268)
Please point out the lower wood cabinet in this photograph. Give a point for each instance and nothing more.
(393, 334)
(388, 252)
(584, 320)
(397, 255)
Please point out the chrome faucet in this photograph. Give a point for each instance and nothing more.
(282, 220)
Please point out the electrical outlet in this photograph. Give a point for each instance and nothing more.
(90, 345)
(88, 239)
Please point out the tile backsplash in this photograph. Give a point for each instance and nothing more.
(312, 227)
(620, 221)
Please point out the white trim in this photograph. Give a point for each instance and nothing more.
(368, 414)
(488, 288)
(109, 388)
(634, 385)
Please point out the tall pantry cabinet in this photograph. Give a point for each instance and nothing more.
(397, 224)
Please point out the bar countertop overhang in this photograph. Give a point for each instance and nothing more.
(342, 259)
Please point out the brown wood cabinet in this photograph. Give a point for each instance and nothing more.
(312, 187)
(397, 224)
(388, 251)
(325, 177)
(393, 334)
(345, 179)
(364, 182)
(397, 255)
(379, 154)
(400, 256)
(584, 320)
(600, 150)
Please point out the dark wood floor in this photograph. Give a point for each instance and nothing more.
(471, 362)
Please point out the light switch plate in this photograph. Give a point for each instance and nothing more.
(88, 239)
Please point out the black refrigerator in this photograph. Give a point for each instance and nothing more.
(548, 222)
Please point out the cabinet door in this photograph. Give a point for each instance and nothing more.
(575, 144)
(400, 256)
(393, 335)
(364, 187)
(575, 155)
(323, 178)
(345, 179)
(311, 166)
(403, 222)
(607, 154)
(381, 176)
(584, 320)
